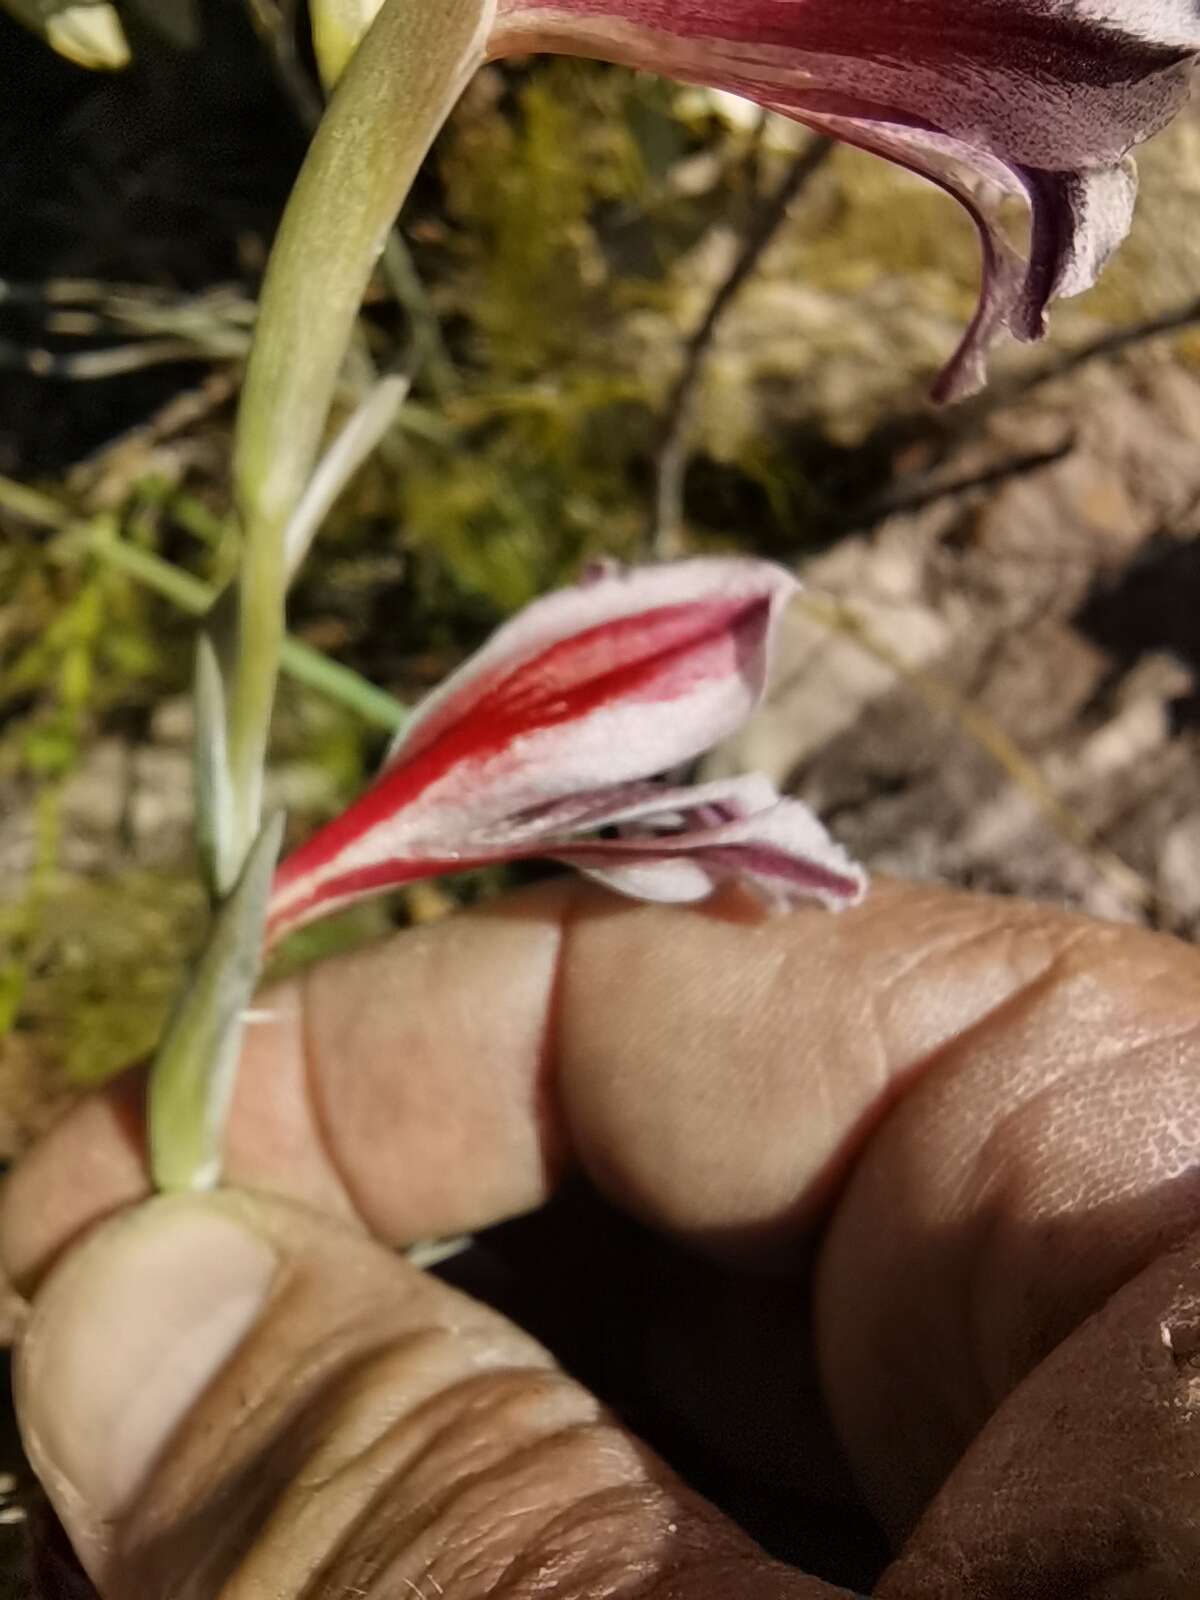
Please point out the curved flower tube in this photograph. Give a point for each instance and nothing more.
(1038, 98)
(545, 742)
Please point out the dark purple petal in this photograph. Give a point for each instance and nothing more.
(650, 805)
(1040, 97)
(783, 853)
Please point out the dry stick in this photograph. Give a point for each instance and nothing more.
(1004, 392)
(276, 26)
(107, 476)
(86, 366)
(429, 355)
(838, 617)
(904, 499)
(966, 418)
(1108, 344)
(672, 455)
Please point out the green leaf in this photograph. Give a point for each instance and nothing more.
(191, 1083)
(353, 446)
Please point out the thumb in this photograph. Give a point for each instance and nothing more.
(229, 1396)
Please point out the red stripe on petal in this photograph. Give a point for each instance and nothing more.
(773, 865)
(335, 894)
(598, 665)
(655, 656)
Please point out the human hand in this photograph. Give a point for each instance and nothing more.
(932, 1167)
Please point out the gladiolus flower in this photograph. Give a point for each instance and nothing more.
(1038, 98)
(546, 743)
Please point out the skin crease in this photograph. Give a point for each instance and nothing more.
(932, 1163)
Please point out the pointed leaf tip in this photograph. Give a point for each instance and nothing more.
(338, 27)
(89, 35)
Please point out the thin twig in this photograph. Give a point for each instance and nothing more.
(275, 21)
(106, 477)
(672, 455)
(429, 355)
(1108, 344)
(963, 421)
(87, 366)
(908, 497)
(940, 695)
(958, 421)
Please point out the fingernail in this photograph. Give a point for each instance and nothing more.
(124, 1339)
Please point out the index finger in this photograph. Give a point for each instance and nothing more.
(712, 1071)
(1000, 1098)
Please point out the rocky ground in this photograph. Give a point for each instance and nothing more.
(998, 688)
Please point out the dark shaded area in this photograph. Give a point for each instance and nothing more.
(24, 1574)
(170, 174)
(54, 1570)
(1151, 605)
(655, 1331)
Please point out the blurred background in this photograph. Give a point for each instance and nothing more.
(642, 320)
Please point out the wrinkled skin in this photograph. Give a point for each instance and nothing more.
(934, 1165)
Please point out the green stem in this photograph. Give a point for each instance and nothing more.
(300, 661)
(196, 1062)
(32, 505)
(390, 104)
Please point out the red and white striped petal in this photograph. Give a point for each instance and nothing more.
(1041, 97)
(560, 637)
(675, 844)
(565, 713)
